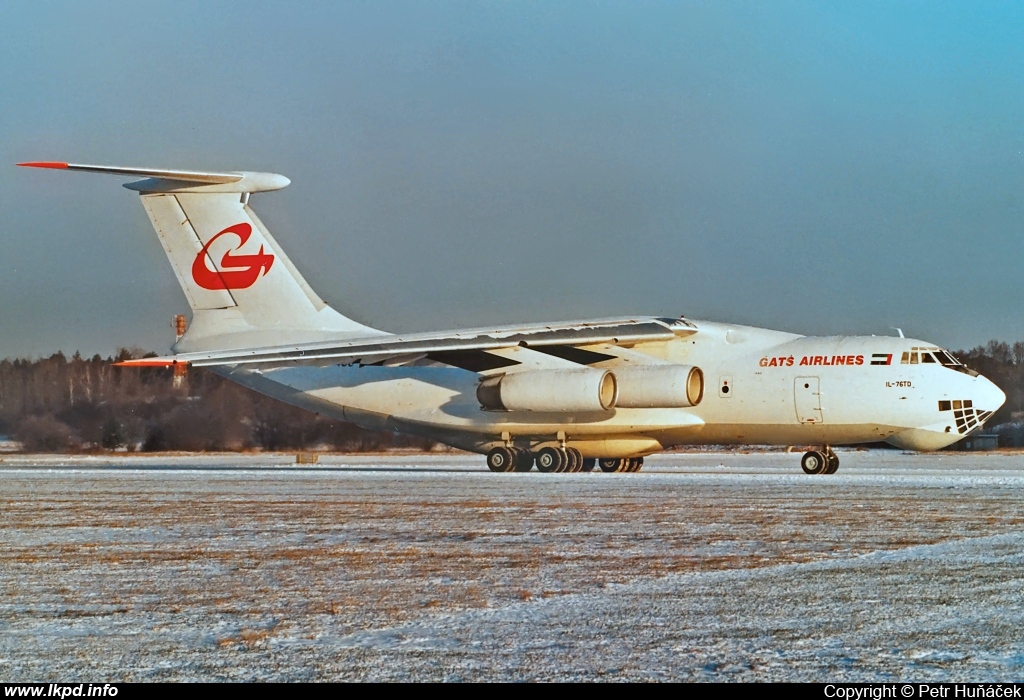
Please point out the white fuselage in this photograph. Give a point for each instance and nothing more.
(761, 387)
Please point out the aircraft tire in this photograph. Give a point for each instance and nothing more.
(637, 463)
(500, 459)
(575, 459)
(550, 460)
(609, 465)
(588, 464)
(813, 462)
(566, 461)
(832, 465)
(523, 460)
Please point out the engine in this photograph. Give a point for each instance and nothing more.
(659, 386)
(589, 390)
(557, 390)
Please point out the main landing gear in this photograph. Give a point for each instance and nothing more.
(555, 460)
(823, 461)
(626, 464)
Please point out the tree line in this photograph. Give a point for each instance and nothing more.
(1004, 365)
(61, 404)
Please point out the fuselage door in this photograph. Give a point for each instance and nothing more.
(807, 393)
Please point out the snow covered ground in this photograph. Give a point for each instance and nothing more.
(704, 566)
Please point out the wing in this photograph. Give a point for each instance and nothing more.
(465, 348)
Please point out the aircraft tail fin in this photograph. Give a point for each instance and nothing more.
(242, 288)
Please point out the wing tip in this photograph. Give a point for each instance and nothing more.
(52, 164)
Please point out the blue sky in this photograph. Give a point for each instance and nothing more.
(823, 168)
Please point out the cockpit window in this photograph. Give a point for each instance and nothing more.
(934, 355)
(946, 359)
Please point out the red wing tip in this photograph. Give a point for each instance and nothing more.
(45, 164)
(146, 363)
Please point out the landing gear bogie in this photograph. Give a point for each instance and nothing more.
(623, 464)
(550, 459)
(555, 460)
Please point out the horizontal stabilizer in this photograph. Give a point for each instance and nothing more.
(161, 180)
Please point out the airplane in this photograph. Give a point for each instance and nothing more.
(564, 397)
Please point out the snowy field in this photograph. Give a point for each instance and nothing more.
(701, 567)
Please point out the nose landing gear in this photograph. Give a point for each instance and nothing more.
(823, 461)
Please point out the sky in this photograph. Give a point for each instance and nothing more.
(820, 168)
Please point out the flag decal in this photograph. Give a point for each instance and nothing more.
(881, 359)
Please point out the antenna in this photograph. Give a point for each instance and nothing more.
(898, 330)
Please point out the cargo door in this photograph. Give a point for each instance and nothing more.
(807, 393)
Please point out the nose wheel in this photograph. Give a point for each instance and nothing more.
(823, 461)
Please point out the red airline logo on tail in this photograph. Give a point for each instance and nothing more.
(236, 271)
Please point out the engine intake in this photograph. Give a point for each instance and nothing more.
(659, 386)
(559, 390)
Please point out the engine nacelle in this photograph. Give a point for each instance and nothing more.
(659, 386)
(555, 390)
